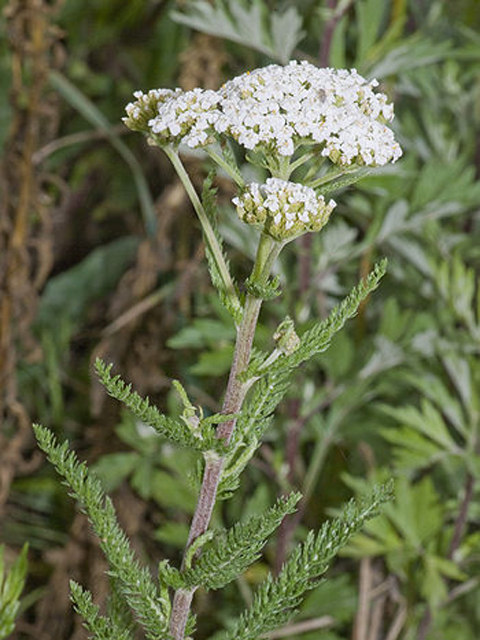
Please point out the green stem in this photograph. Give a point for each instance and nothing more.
(268, 250)
(301, 160)
(267, 253)
(328, 177)
(282, 169)
(235, 175)
(208, 231)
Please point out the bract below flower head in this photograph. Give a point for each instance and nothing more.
(283, 210)
(276, 109)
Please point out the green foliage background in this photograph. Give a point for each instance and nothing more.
(397, 393)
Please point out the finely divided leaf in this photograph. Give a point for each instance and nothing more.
(229, 554)
(209, 204)
(102, 627)
(318, 338)
(150, 606)
(176, 430)
(247, 24)
(276, 598)
(287, 32)
(270, 389)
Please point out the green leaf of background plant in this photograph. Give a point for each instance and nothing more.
(245, 24)
(90, 112)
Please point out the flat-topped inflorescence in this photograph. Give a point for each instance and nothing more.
(283, 210)
(275, 110)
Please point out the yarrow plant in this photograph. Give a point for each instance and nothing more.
(312, 130)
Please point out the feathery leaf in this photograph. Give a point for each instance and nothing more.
(319, 337)
(209, 204)
(271, 387)
(245, 24)
(102, 627)
(135, 582)
(276, 598)
(177, 430)
(229, 554)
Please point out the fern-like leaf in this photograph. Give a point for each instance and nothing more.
(318, 338)
(176, 430)
(118, 610)
(245, 24)
(269, 391)
(150, 606)
(229, 554)
(101, 627)
(276, 598)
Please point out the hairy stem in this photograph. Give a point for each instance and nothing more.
(236, 176)
(267, 252)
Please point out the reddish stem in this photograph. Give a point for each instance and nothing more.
(267, 252)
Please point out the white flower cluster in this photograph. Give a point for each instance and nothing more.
(188, 116)
(283, 210)
(277, 108)
(146, 106)
(177, 116)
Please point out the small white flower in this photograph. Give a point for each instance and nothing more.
(283, 210)
(275, 108)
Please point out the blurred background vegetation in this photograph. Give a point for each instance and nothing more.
(100, 255)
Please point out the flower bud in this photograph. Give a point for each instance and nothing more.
(286, 337)
(283, 210)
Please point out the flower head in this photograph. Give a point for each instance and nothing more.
(283, 107)
(283, 210)
(275, 109)
(186, 117)
(145, 107)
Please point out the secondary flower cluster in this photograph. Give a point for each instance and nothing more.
(283, 210)
(275, 109)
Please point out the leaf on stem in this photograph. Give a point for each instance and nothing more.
(176, 430)
(232, 551)
(102, 627)
(272, 386)
(276, 598)
(150, 606)
(274, 382)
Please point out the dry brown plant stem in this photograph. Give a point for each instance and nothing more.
(25, 251)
